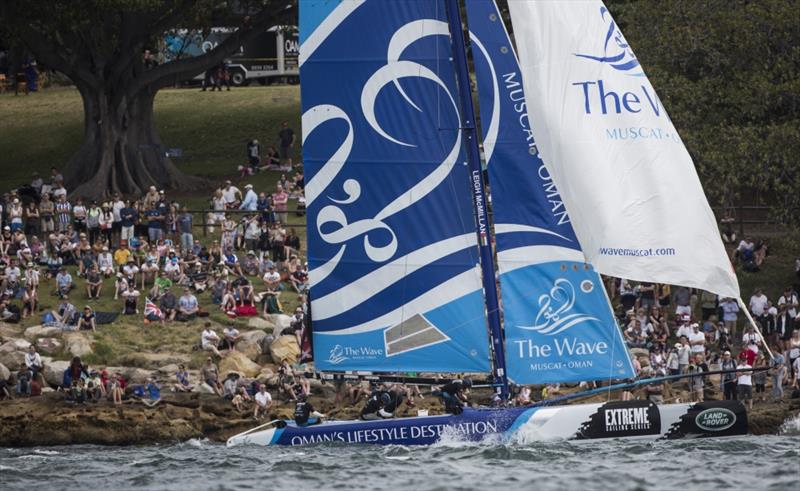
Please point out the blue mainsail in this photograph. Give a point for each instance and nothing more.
(558, 323)
(395, 284)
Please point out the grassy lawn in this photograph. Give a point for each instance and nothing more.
(44, 129)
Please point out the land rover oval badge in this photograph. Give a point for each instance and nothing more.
(715, 419)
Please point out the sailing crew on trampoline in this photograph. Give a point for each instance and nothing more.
(304, 413)
(396, 394)
(375, 404)
(453, 395)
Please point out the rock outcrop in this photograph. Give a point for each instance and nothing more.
(77, 344)
(54, 372)
(250, 344)
(48, 346)
(34, 332)
(238, 362)
(285, 348)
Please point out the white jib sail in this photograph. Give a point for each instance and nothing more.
(627, 180)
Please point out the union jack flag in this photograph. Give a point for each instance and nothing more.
(151, 311)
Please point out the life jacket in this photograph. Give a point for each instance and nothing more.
(302, 410)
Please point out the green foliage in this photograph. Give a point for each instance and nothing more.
(727, 72)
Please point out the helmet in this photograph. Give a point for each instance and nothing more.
(301, 397)
(386, 398)
(467, 383)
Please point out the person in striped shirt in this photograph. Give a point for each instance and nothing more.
(63, 213)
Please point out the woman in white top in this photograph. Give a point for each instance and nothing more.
(79, 215)
(106, 219)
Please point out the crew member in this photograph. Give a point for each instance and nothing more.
(395, 399)
(453, 395)
(375, 404)
(304, 413)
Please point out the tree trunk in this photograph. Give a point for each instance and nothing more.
(121, 151)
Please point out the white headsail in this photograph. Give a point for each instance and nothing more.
(627, 180)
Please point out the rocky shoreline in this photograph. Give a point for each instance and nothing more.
(48, 420)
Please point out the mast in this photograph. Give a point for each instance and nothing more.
(469, 132)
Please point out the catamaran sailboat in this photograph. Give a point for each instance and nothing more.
(580, 154)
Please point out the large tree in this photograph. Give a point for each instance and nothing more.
(99, 45)
(728, 72)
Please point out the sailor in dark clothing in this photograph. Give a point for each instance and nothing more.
(376, 402)
(304, 413)
(396, 395)
(453, 395)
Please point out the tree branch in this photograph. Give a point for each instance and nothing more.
(168, 73)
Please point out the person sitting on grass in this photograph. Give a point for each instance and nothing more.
(131, 300)
(183, 384)
(209, 340)
(120, 285)
(65, 315)
(105, 262)
(86, 321)
(168, 305)
(263, 402)
(230, 336)
(130, 271)
(160, 285)
(63, 282)
(187, 306)
(149, 270)
(173, 268)
(271, 296)
(198, 277)
(94, 283)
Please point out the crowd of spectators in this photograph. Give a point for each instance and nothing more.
(144, 252)
(677, 330)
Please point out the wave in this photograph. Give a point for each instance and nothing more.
(791, 426)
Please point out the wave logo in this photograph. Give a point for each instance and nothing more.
(378, 239)
(617, 53)
(555, 309)
(336, 355)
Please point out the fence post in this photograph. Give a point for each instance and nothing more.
(203, 219)
(741, 221)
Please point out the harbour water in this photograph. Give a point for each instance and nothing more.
(752, 462)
